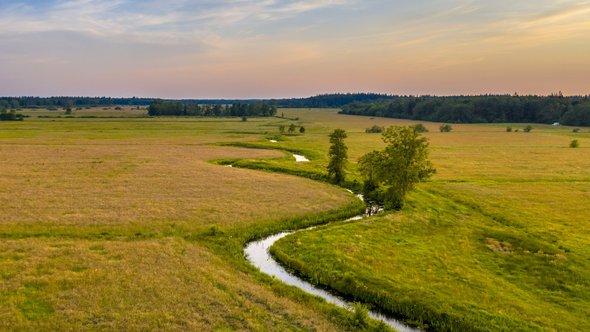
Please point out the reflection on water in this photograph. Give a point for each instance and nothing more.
(300, 159)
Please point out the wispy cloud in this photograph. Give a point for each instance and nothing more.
(303, 44)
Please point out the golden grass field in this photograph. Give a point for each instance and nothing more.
(124, 224)
(95, 219)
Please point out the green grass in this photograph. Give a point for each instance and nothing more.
(498, 240)
(126, 224)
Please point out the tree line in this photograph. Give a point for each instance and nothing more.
(324, 100)
(173, 108)
(574, 111)
(329, 100)
(48, 102)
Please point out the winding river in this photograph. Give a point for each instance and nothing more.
(257, 253)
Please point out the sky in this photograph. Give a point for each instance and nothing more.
(292, 48)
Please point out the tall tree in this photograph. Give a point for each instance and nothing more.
(396, 169)
(338, 154)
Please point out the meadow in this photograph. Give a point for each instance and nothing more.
(124, 224)
(496, 240)
(131, 223)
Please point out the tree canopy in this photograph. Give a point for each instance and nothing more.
(172, 108)
(391, 173)
(338, 154)
(573, 111)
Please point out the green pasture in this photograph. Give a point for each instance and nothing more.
(120, 221)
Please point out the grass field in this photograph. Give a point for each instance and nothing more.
(498, 240)
(123, 223)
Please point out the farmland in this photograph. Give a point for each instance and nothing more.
(123, 222)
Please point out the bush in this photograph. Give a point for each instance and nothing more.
(527, 129)
(375, 129)
(244, 119)
(419, 128)
(508, 129)
(576, 130)
(360, 318)
(446, 128)
(574, 144)
(302, 130)
(10, 116)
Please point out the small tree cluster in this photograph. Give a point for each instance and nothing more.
(420, 128)
(446, 128)
(391, 173)
(291, 129)
(10, 116)
(375, 129)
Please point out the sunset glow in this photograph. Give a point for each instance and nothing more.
(287, 48)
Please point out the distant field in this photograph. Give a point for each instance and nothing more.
(124, 224)
(94, 112)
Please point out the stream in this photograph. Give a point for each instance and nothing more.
(258, 255)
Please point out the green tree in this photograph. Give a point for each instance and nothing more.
(338, 154)
(292, 128)
(302, 130)
(396, 169)
(282, 129)
(574, 144)
(375, 129)
(446, 128)
(527, 129)
(420, 128)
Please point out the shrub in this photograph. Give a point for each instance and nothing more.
(527, 129)
(360, 318)
(419, 128)
(574, 144)
(446, 128)
(10, 116)
(576, 130)
(375, 129)
(244, 119)
(508, 129)
(302, 130)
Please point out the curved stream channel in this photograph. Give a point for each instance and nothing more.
(258, 255)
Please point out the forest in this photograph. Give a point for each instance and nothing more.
(65, 101)
(172, 108)
(319, 101)
(574, 111)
